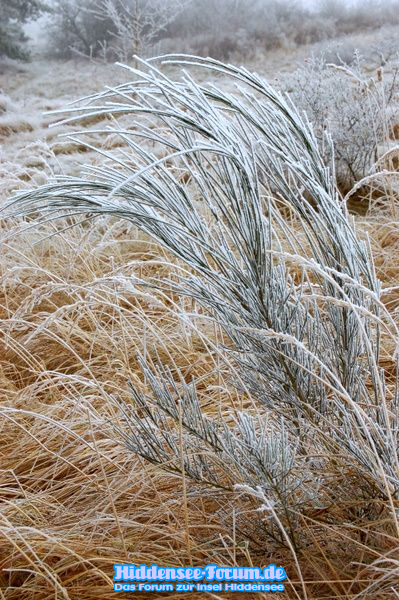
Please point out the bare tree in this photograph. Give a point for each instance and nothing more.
(75, 30)
(138, 23)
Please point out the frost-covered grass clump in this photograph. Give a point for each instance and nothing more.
(260, 251)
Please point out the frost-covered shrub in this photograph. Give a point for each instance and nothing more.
(353, 107)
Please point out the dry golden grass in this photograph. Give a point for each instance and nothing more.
(9, 127)
(74, 501)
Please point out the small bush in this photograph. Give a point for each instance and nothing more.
(355, 109)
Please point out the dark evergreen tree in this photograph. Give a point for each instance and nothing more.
(13, 14)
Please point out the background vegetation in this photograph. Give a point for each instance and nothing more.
(218, 28)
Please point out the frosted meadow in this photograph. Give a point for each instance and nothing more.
(199, 297)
